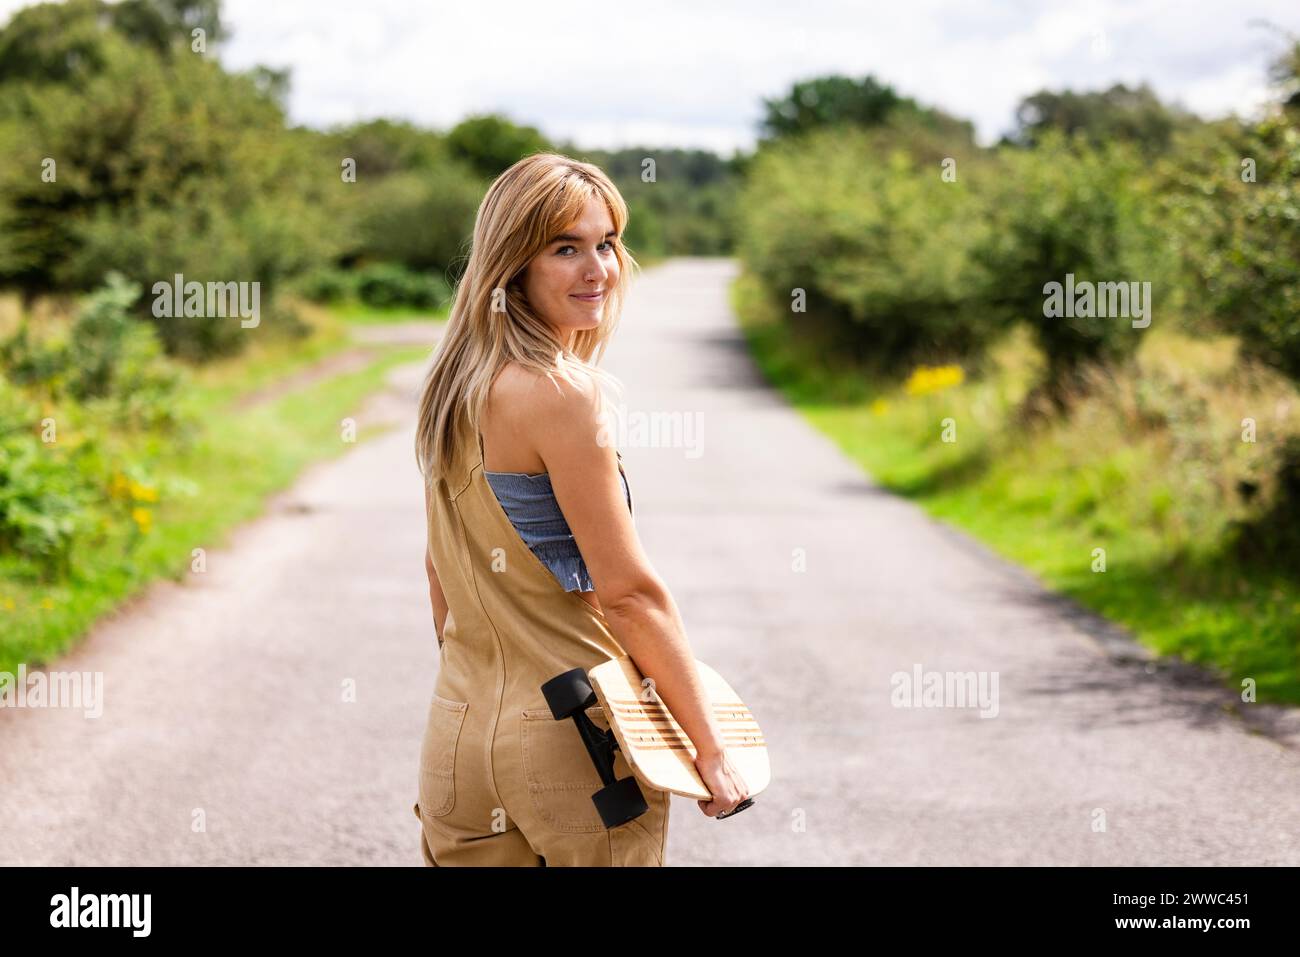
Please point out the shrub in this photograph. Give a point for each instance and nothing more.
(42, 494)
(1063, 208)
(328, 284)
(166, 165)
(1247, 260)
(422, 219)
(68, 407)
(864, 223)
(108, 358)
(385, 285)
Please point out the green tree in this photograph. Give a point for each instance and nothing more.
(1133, 115)
(491, 144)
(689, 208)
(1237, 202)
(164, 166)
(382, 147)
(839, 100)
(1065, 208)
(877, 241)
(64, 42)
(423, 219)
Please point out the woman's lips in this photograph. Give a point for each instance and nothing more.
(592, 298)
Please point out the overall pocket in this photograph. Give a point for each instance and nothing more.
(438, 756)
(559, 773)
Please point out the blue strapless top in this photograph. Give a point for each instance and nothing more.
(529, 502)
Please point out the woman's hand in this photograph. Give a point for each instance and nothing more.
(723, 781)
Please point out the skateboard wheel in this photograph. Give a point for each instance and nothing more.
(748, 802)
(620, 802)
(569, 693)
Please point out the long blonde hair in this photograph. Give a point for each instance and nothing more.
(536, 199)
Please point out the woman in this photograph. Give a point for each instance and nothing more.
(534, 563)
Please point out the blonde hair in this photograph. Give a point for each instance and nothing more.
(529, 204)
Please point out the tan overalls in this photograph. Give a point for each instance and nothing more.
(501, 781)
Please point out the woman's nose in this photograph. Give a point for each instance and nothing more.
(597, 271)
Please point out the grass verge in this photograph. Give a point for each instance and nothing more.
(1128, 506)
(218, 481)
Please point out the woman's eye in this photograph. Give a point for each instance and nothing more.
(606, 243)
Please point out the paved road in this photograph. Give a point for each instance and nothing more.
(225, 694)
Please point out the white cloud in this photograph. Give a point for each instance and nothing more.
(690, 73)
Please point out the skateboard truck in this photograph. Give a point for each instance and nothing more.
(569, 696)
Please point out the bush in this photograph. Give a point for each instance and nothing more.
(864, 223)
(1246, 260)
(42, 494)
(109, 358)
(386, 285)
(1271, 539)
(422, 219)
(328, 284)
(166, 165)
(68, 407)
(1063, 208)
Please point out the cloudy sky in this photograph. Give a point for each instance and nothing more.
(694, 72)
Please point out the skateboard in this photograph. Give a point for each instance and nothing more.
(652, 742)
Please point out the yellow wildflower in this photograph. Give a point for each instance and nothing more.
(927, 379)
(143, 493)
(143, 518)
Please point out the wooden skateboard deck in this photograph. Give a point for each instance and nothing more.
(657, 749)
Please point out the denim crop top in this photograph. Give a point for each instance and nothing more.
(529, 502)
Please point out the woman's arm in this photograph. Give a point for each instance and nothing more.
(436, 597)
(562, 422)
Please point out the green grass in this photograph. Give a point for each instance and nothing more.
(1046, 497)
(265, 362)
(215, 483)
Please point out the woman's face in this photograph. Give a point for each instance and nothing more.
(581, 262)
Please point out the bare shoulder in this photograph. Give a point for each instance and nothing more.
(540, 405)
(528, 410)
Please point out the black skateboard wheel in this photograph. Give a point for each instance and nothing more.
(568, 694)
(620, 802)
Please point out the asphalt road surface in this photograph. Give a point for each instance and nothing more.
(269, 710)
